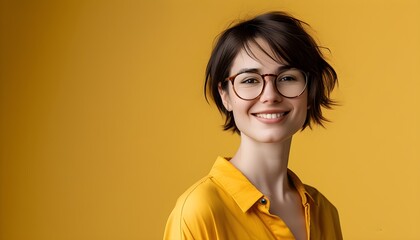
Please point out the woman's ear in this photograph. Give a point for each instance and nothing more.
(224, 95)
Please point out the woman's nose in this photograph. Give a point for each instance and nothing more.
(270, 93)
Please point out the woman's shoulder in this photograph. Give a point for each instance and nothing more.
(322, 207)
(201, 198)
(196, 211)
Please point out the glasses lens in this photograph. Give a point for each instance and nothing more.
(291, 83)
(248, 85)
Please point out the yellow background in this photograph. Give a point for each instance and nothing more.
(103, 123)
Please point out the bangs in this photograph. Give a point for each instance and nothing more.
(271, 52)
(286, 45)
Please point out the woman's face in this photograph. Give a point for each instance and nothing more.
(271, 117)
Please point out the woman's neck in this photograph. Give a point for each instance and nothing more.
(265, 165)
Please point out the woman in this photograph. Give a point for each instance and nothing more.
(269, 78)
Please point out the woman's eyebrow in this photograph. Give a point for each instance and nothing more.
(258, 70)
(249, 70)
(283, 68)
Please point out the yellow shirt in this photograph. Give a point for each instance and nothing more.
(225, 205)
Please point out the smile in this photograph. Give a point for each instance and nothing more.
(270, 115)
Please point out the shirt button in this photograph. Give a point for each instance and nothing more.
(263, 201)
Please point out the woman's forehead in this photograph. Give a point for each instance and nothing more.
(258, 55)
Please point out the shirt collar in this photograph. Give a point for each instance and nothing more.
(241, 189)
(235, 183)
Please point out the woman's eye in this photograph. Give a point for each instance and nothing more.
(287, 79)
(250, 80)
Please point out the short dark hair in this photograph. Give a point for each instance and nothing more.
(289, 41)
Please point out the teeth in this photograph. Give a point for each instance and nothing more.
(270, 115)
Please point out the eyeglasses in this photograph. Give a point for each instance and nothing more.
(290, 83)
